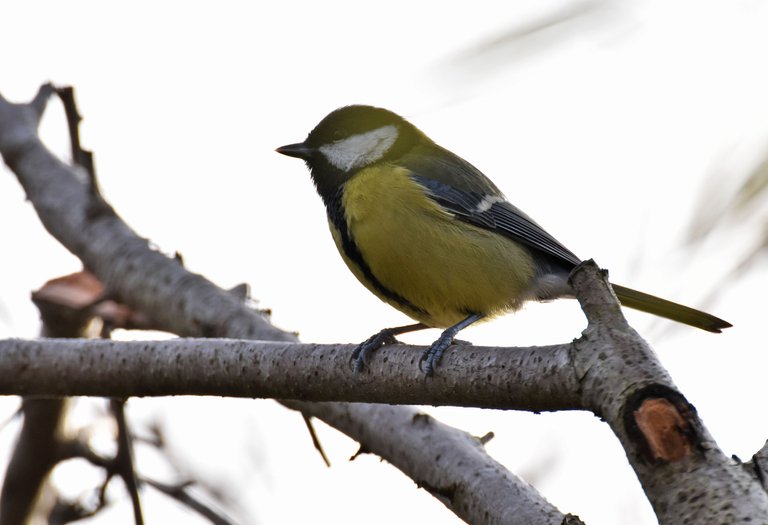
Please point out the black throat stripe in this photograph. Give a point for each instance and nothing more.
(336, 214)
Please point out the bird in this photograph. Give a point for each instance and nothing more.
(429, 234)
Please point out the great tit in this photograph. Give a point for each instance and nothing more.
(429, 234)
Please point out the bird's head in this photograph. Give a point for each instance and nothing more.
(350, 139)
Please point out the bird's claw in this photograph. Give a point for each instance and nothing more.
(431, 356)
(358, 358)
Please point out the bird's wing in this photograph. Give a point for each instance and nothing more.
(448, 185)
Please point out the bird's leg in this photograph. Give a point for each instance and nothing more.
(376, 341)
(432, 355)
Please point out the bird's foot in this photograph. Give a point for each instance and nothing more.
(376, 341)
(431, 356)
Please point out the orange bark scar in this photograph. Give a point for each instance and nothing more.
(665, 430)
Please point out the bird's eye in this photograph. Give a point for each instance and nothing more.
(339, 134)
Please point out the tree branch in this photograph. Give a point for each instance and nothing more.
(180, 493)
(36, 453)
(124, 463)
(538, 378)
(484, 489)
(139, 276)
(686, 477)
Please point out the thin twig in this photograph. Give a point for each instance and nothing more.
(315, 439)
(80, 156)
(179, 493)
(124, 458)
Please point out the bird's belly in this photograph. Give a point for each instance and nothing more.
(445, 267)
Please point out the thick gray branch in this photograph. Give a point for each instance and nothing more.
(147, 280)
(538, 378)
(505, 498)
(686, 477)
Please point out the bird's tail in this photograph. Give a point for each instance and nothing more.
(663, 308)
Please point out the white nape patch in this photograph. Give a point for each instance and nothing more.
(360, 150)
(488, 201)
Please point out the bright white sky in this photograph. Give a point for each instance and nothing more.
(612, 130)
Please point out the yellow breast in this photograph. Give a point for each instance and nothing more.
(446, 268)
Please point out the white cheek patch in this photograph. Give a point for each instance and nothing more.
(360, 150)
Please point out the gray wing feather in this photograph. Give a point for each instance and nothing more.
(450, 184)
